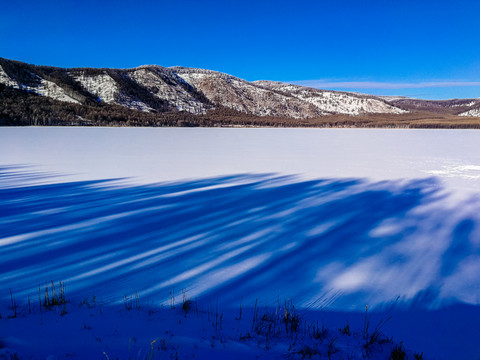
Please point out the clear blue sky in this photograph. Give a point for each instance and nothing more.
(428, 49)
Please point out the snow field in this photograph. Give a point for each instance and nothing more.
(387, 219)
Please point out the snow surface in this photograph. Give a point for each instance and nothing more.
(332, 219)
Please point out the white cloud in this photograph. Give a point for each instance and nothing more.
(328, 84)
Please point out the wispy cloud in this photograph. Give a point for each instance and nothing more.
(328, 84)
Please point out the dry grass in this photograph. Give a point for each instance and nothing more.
(417, 120)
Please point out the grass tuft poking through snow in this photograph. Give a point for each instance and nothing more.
(376, 336)
(192, 330)
(398, 353)
(14, 304)
(52, 297)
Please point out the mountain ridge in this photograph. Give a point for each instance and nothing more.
(182, 92)
(176, 85)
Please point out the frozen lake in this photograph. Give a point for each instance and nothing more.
(331, 218)
(148, 155)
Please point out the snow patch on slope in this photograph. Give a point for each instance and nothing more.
(46, 88)
(5, 79)
(472, 112)
(334, 102)
(102, 86)
(52, 90)
(106, 88)
(471, 103)
(173, 92)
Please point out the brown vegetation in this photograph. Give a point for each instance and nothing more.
(21, 108)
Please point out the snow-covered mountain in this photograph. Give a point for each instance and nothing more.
(153, 88)
(156, 89)
(334, 102)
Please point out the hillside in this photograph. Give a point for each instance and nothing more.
(461, 107)
(153, 95)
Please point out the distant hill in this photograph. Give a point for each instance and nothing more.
(157, 96)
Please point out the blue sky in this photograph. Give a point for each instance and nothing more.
(428, 49)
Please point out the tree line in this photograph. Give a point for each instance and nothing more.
(23, 108)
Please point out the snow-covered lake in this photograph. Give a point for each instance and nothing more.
(158, 154)
(331, 218)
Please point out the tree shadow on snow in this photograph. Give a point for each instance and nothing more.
(328, 243)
